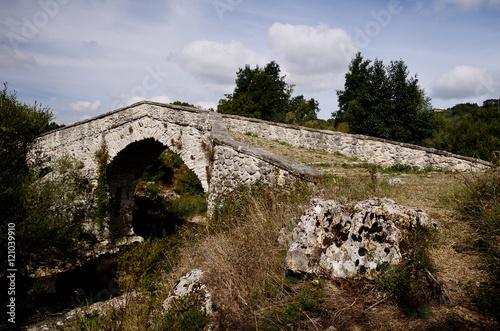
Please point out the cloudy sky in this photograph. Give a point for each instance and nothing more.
(86, 57)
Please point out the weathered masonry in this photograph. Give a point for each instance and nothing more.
(373, 150)
(136, 135)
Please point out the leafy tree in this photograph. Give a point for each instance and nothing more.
(181, 103)
(302, 111)
(20, 123)
(468, 129)
(259, 93)
(40, 210)
(382, 101)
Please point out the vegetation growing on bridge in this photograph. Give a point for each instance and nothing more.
(102, 188)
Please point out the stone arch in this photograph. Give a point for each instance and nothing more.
(124, 171)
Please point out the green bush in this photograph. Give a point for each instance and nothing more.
(184, 315)
(409, 281)
(52, 227)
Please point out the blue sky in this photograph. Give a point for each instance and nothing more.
(84, 58)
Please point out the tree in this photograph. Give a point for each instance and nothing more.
(259, 93)
(20, 123)
(185, 104)
(470, 130)
(382, 101)
(42, 211)
(302, 111)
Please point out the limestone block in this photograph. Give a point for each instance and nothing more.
(333, 241)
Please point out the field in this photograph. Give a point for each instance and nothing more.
(243, 262)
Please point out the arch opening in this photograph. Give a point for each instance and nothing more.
(152, 191)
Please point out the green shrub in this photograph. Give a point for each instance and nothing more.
(409, 281)
(184, 315)
(187, 205)
(102, 196)
(141, 266)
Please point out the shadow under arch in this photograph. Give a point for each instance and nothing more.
(124, 172)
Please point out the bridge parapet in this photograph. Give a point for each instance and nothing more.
(370, 149)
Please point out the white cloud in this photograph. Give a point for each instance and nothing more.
(161, 99)
(14, 58)
(216, 63)
(466, 82)
(86, 106)
(465, 5)
(312, 56)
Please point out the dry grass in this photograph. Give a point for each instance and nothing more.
(243, 262)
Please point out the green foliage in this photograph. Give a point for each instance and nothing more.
(52, 227)
(469, 130)
(102, 196)
(302, 111)
(406, 169)
(187, 205)
(381, 101)
(263, 93)
(162, 169)
(188, 182)
(409, 281)
(184, 315)
(140, 266)
(372, 170)
(305, 302)
(20, 124)
(185, 104)
(166, 174)
(44, 212)
(478, 202)
(399, 168)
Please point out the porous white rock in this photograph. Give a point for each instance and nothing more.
(335, 241)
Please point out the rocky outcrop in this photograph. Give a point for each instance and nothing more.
(333, 240)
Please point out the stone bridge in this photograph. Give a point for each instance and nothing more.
(138, 134)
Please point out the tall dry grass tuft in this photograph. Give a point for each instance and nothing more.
(478, 202)
(240, 254)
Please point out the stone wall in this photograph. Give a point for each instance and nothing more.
(373, 150)
(236, 163)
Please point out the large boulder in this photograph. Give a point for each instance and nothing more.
(333, 240)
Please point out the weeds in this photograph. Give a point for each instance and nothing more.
(478, 203)
(102, 196)
(184, 315)
(409, 281)
(303, 302)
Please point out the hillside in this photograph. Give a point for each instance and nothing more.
(243, 263)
